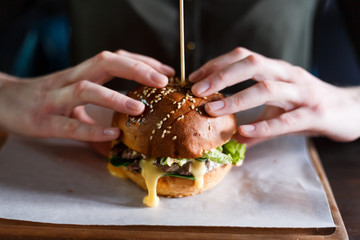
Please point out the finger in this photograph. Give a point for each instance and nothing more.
(63, 127)
(84, 92)
(80, 113)
(297, 120)
(155, 64)
(253, 67)
(107, 65)
(279, 94)
(250, 142)
(219, 63)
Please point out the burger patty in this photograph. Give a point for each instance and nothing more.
(127, 153)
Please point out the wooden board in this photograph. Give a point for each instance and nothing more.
(13, 229)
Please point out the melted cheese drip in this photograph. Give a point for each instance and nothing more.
(151, 174)
(116, 171)
(198, 170)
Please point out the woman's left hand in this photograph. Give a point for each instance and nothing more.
(307, 104)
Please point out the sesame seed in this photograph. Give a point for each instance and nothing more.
(151, 106)
(204, 97)
(161, 122)
(155, 101)
(174, 102)
(192, 100)
(151, 110)
(196, 109)
(174, 138)
(167, 131)
(179, 106)
(172, 112)
(179, 118)
(169, 127)
(164, 119)
(151, 138)
(192, 107)
(153, 131)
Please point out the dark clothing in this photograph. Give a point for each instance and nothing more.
(279, 29)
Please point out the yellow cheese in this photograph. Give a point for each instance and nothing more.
(151, 174)
(198, 170)
(116, 171)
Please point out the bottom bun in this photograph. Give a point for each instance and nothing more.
(181, 187)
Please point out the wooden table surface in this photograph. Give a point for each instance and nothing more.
(341, 162)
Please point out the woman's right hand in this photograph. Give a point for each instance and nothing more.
(53, 105)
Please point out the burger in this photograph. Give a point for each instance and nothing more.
(174, 149)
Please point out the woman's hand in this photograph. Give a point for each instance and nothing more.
(53, 105)
(299, 102)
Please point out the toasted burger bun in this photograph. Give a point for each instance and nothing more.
(174, 124)
(180, 187)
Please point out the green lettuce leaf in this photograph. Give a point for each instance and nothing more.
(230, 153)
(216, 156)
(120, 162)
(236, 151)
(180, 176)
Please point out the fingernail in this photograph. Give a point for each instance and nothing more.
(201, 87)
(247, 128)
(134, 105)
(195, 75)
(159, 78)
(215, 106)
(167, 70)
(111, 131)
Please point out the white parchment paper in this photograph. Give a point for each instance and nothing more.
(63, 181)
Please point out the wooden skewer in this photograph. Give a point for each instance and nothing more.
(182, 52)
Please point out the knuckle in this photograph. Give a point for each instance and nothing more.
(237, 100)
(80, 87)
(103, 56)
(239, 51)
(268, 87)
(288, 120)
(120, 52)
(265, 128)
(253, 59)
(222, 75)
(214, 65)
(93, 132)
(111, 99)
(138, 67)
(299, 72)
(71, 127)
